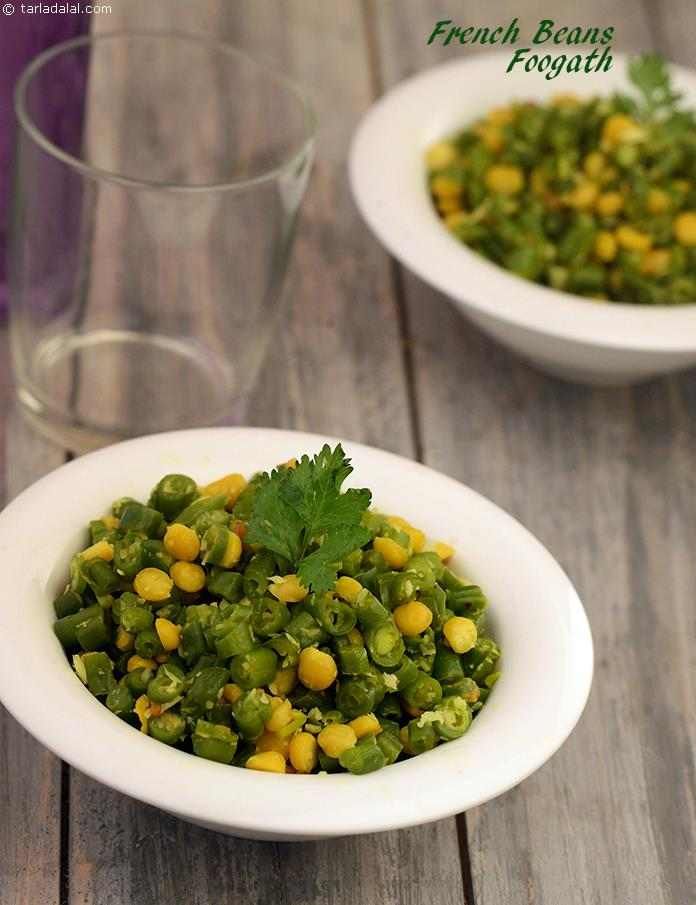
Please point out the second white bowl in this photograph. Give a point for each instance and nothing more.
(563, 334)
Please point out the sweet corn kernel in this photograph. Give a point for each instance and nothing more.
(656, 262)
(291, 463)
(232, 693)
(565, 99)
(153, 585)
(136, 662)
(445, 187)
(182, 542)
(303, 752)
(455, 219)
(609, 174)
(633, 239)
(112, 523)
(267, 761)
(348, 588)
(154, 709)
(355, 636)
(268, 741)
(505, 179)
(619, 127)
(416, 536)
(440, 155)
(594, 163)
(583, 196)
(336, 738)
(101, 550)
(142, 708)
(289, 589)
(538, 181)
(124, 639)
(609, 204)
(460, 633)
(188, 576)
(169, 633)
(316, 669)
(412, 618)
(280, 715)
(447, 206)
(284, 681)
(501, 116)
(658, 201)
(685, 228)
(443, 550)
(394, 554)
(492, 137)
(365, 725)
(605, 246)
(231, 484)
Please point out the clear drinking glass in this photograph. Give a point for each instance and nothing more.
(157, 182)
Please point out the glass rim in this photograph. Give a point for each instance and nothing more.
(98, 173)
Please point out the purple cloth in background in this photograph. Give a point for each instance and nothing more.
(22, 37)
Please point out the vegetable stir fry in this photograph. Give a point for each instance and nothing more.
(279, 625)
(595, 197)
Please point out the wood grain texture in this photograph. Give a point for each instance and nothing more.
(335, 366)
(29, 774)
(602, 478)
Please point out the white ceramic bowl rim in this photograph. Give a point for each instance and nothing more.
(545, 683)
(387, 176)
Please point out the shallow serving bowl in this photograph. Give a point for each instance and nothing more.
(561, 333)
(536, 616)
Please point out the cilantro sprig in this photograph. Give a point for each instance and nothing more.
(303, 515)
(650, 74)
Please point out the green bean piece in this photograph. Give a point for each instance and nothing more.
(389, 709)
(305, 699)
(129, 554)
(447, 667)
(389, 742)
(193, 642)
(436, 601)
(148, 644)
(202, 505)
(304, 628)
(328, 764)
(67, 604)
(287, 648)
(155, 555)
(214, 544)
(469, 601)
(214, 742)
(168, 727)
(255, 668)
(453, 718)
(385, 644)
(223, 583)
(422, 649)
(251, 712)
(135, 616)
(98, 531)
(172, 494)
(352, 658)
(206, 520)
(93, 632)
(428, 567)
(142, 520)
(96, 670)
(397, 587)
(258, 573)
(406, 673)
(172, 611)
(233, 635)
(481, 660)
(334, 616)
(167, 685)
(138, 680)
(365, 757)
(351, 564)
(204, 691)
(242, 509)
(100, 576)
(423, 693)
(369, 610)
(372, 559)
(464, 688)
(369, 579)
(269, 616)
(357, 695)
(421, 736)
(120, 700)
(375, 523)
(119, 505)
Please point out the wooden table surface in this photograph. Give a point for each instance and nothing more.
(604, 478)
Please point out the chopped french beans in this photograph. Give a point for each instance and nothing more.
(595, 196)
(280, 625)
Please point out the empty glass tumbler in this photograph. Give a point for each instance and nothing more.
(157, 182)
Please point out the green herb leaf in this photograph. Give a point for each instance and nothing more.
(302, 507)
(650, 74)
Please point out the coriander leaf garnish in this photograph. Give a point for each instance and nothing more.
(650, 74)
(301, 514)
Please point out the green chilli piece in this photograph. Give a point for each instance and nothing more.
(214, 742)
(96, 670)
(251, 712)
(172, 494)
(334, 616)
(385, 644)
(168, 727)
(365, 757)
(254, 668)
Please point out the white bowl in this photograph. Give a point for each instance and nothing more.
(561, 333)
(536, 616)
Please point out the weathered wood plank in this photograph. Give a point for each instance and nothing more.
(336, 367)
(29, 774)
(602, 478)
